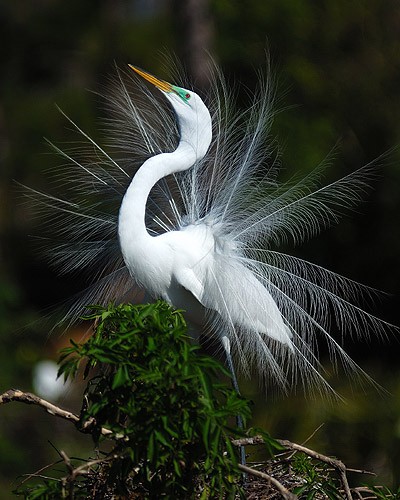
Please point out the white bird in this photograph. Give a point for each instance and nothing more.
(200, 224)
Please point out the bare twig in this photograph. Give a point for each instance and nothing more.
(28, 477)
(84, 468)
(333, 462)
(248, 441)
(363, 489)
(32, 399)
(278, 486)
(67, 461)
(68, 482)
(312, 434)
(306, 441)
(361, 471)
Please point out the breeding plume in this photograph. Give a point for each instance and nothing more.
(183, 203)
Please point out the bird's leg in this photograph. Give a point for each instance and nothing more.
(239, 421)
(227, 346)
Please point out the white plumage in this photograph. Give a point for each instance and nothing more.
(200, 222)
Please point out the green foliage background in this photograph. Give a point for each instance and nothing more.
(339, 77)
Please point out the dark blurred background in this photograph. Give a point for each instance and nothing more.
(338, 66)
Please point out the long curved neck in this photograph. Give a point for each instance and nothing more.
(131, 222)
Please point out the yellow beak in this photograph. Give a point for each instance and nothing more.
(160, 84)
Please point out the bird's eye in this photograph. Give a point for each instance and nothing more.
(187, 96)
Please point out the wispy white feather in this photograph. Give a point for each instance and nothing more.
(233, 190)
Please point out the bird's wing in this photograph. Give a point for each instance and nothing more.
(231, 289)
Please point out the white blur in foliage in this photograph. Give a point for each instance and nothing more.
(45, 381)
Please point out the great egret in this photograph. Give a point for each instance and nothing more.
(200, 225)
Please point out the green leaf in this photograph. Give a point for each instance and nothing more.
(171, 432)
(121, 377)
(298, 490)
(205, 433)
(150, 447)
(177, 468)
(159, 436)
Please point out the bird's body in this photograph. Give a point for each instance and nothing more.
(199, 221)
(192, 268)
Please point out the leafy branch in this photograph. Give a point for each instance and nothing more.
(170, 421)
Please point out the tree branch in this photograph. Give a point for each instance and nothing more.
(278, 486)
(32, 399)
(333, 462)
(29, 398)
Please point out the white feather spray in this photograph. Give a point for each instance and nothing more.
(234, 192)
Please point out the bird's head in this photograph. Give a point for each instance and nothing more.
(193, 117)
